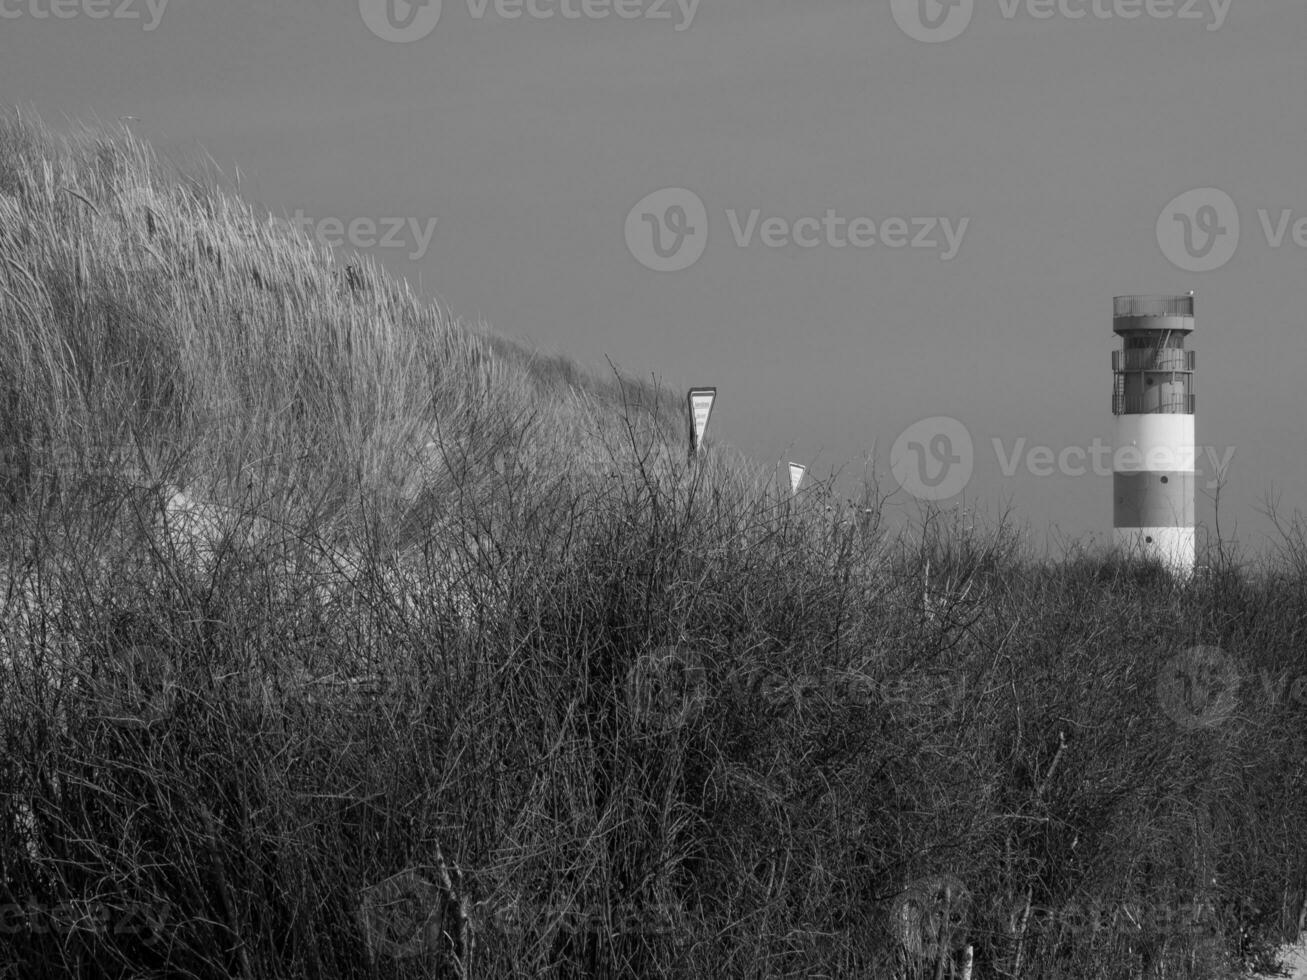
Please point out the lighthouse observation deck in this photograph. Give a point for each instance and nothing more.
(1152, 372)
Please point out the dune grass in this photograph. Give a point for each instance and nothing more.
(455, 666)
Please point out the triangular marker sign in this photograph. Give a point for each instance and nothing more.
(701, 402)
(797, 473)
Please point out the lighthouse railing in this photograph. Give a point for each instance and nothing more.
(1132, 306)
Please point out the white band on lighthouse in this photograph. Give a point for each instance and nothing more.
(1154, 442)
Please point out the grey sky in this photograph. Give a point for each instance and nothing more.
(1059, 141)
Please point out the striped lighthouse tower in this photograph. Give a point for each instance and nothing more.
(1153, 401)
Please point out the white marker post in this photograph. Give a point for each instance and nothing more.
(797, 473)
(700, 401)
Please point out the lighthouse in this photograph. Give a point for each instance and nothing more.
(1153, 401)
